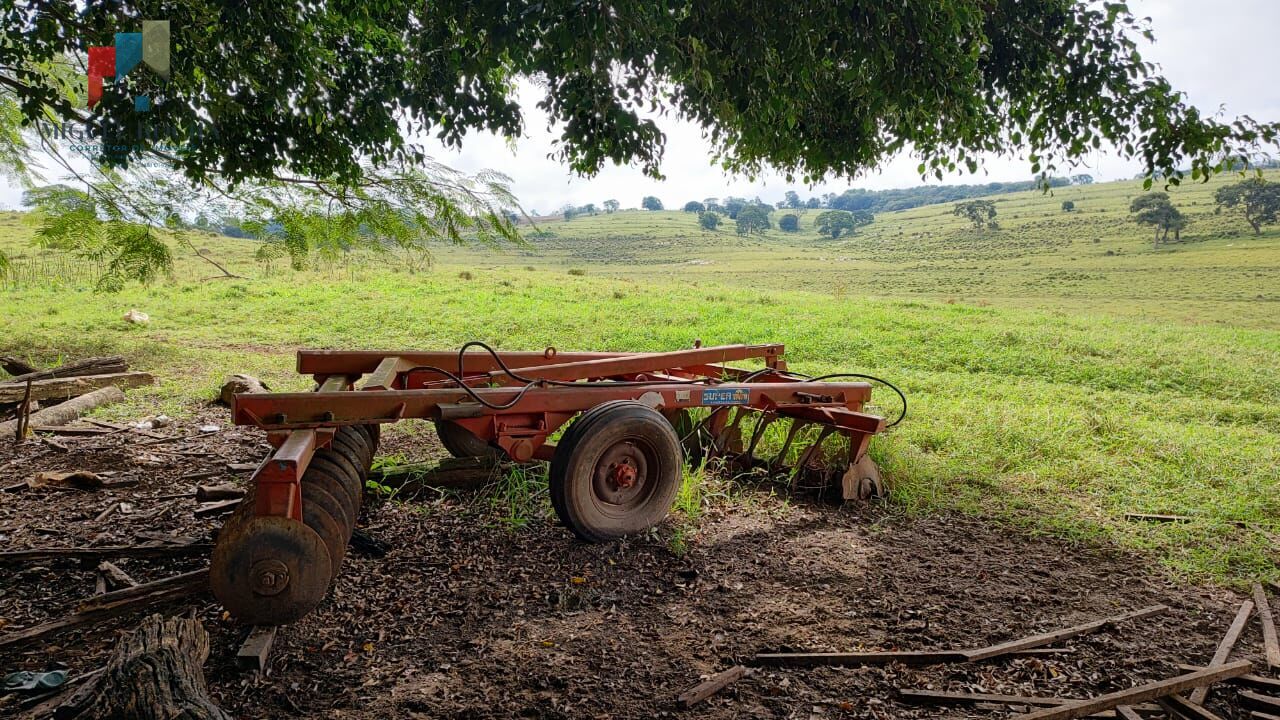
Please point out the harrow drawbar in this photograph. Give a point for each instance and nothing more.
(633, 419)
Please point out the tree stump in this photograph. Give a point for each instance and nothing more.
(156, 673)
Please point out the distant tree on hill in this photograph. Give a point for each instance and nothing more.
(753, 219)
(589, 209)
(732, 205)
(813, 203)
(792, 199)
(789, 223)
(694, 206)
(569, 212)
(651, 203)
(611, 206)
(834, 223)
(982, 213)
(708, 220)
(1259, 199)
(1068, 206)
(1082, 179)
(1155, 209)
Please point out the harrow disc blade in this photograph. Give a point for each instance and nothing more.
(269, 570)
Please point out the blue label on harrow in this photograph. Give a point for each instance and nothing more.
(726, 396)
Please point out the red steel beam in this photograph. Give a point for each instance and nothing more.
(361, 362)
(327, 409)
(630, 364)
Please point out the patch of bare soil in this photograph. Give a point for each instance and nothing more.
(467, 618)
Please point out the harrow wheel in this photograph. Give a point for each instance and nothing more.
(461, 442)
(615, 471)
(269, 570)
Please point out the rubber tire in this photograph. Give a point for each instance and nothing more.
(461, 442)
(583, 445)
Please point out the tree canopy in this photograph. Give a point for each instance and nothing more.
(834, 223)
(1258, 199)
(1155, 209)
(982, 213)
(752, 219)
(339, 83)
(651, 203)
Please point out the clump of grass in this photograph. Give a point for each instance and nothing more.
(579, 272)
(619, 295)
(520, 495)
(466, 275)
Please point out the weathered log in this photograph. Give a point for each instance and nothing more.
(16, 367)
(450, 474)
(60, 388)
(156, 673)
(63, 413)
(96, 615)
(88, 366)
(193, 581)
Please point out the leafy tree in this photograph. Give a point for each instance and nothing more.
(982, 213)
(708, 220)
(1155, 209)
(789, 223)
(792, 199)
(589, 209)
(1082, 179)
(732, 205)
(651, 203)
(611, 206)
(813, 203)
(1068, 206)
(753, 219)
(834, 223)
(324, 106)
(1259, 199)
(694, 206)
(569, 212)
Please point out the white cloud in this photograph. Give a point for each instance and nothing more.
(1216, 52)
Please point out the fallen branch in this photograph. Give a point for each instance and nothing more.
(1141, 693)
(106, 551)
(61, 388)
(64, 413)
(1225, 647)
(16, 367)
(1146, 517)
(711, 686)
(189, 581)
(938, 657)
(100, 612)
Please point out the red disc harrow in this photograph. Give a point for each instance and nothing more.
(632, 421)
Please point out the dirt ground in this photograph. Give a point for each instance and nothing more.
(466, 617)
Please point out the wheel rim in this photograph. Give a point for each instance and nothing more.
(624, 477)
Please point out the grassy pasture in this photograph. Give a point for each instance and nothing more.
(1050, 383)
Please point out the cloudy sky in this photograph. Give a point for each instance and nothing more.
(1217, 52)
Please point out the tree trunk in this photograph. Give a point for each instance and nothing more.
(70, 410)
(1156, 244)
(1257, 226)
(156, 673)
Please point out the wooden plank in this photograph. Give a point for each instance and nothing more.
(106, 551)
(927, 657)
(1180, 707)
(1059, 635)
(255, 652)
(1142, 693)
(1263, 716)
(1225, 647)
(1269, 642)
(192, 581)
(1253, 681)
(1265, 703)
(1126, 712)
(61, 388)
(711, 686)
